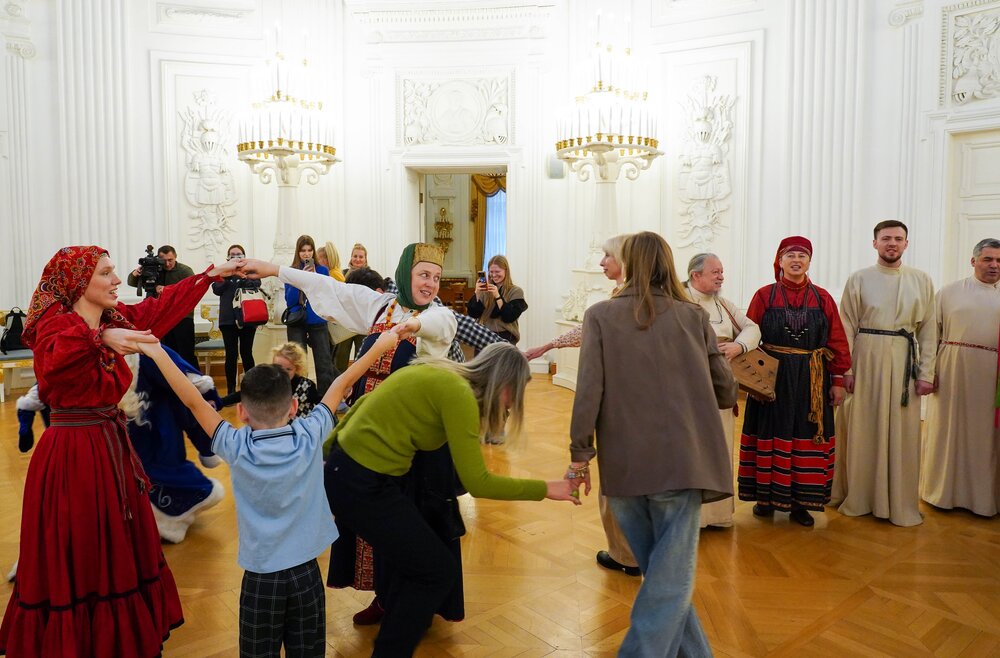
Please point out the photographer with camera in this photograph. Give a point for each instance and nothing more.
(237, 338)
(151, 277)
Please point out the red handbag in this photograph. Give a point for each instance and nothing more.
(249, 308)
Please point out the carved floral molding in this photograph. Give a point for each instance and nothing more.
(454, 110)
(970, 68)
(15, 29)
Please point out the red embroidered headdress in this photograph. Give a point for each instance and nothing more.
(64, 280)
(792, 243)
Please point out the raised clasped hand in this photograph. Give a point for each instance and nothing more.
(253, 268)
(228, 268)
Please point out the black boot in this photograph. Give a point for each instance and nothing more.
(46, 411)
(25, 433)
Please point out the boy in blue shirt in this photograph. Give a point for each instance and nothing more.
(276, 467)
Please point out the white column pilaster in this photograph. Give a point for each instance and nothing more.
(94, 126)
(826, 78)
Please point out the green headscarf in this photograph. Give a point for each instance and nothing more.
(414, 253)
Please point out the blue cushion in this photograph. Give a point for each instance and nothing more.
(21, 355)
(209, 345)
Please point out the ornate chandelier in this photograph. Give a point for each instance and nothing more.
(290, 121)
(612, 123)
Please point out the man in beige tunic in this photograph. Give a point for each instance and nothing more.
(888, 315)
(962, 443)
(737, 334)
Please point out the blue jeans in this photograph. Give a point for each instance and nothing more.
(662, 530)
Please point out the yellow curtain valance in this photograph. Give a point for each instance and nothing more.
(482, 187)
(489, 184)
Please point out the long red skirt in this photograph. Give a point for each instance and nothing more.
(90, 582)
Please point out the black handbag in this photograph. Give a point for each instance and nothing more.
(11, 338)
(297, 316)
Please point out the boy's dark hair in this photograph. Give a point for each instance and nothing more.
(366, 276)
(890, 223)
(266, 393)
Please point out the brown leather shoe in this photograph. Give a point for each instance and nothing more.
(371, 615)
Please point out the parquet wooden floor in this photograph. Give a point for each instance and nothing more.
(847, 587)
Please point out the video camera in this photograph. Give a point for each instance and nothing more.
(151, 269)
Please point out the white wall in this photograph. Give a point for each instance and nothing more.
(836, 124)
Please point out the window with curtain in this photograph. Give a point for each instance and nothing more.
(488, 196)
(496, 227)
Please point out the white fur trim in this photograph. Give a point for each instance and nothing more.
(203, 383)
(30, 400)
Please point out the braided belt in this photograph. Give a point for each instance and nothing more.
(911, 357)
(816, 401)
(109, 419)
(958, 343)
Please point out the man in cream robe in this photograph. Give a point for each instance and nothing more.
(888, 314)
(737, 334)
(962, 443)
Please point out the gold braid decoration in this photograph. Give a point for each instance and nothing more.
(816, 402)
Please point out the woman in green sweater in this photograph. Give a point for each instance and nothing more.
(422, 407)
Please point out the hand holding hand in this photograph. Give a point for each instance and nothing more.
(253, 268)
(837, 395)
(562, 490)
(126, 341)
(849, 383)
(386, 340)
(228, 268)
(731, 350)
(578, 474)
(536, 352)
(406, 329)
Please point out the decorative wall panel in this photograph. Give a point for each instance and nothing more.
(454, 108)
(970, 41)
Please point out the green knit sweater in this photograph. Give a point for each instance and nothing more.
(420, 408)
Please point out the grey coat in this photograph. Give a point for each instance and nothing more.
(653, 396)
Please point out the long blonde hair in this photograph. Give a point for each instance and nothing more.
(508, 282)
(332, 257)
(499, 367)
(649, 266)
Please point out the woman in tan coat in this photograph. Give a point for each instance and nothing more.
(650, 385)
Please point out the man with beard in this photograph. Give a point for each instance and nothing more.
(888, 314)
(962, 442)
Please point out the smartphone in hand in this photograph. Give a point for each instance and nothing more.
(482, 277)
(308, 264)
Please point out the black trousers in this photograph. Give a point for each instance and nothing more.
(284, 607)
(375, 506)
(181, 340)
(239, 344)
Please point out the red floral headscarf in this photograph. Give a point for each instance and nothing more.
(793, 243)
(64, 280)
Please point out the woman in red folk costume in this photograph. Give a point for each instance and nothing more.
(787, 446)
(92, 579)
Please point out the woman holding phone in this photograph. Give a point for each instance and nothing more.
(311, 331)
(498, 303)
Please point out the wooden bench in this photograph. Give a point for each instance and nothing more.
(11, 361)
